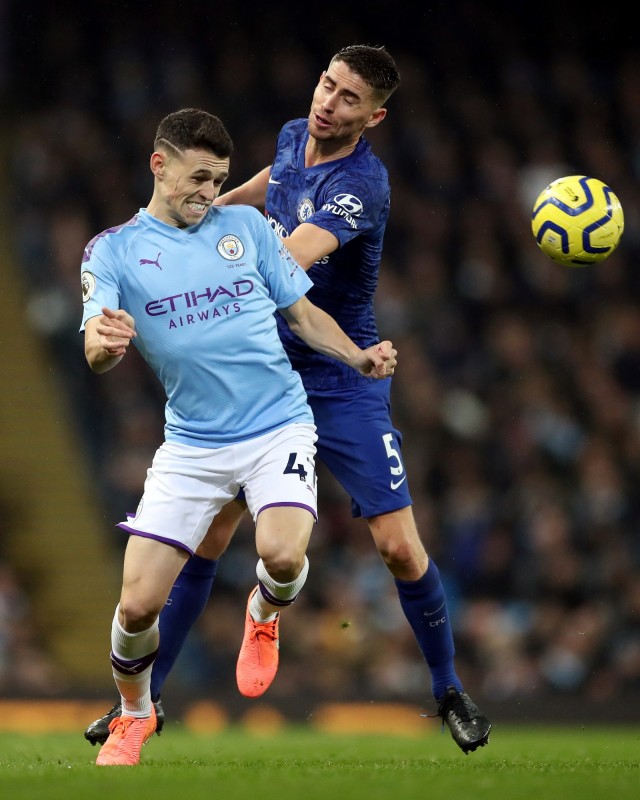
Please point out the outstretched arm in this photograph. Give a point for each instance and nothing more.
(321, 332)
(106, 338)
(250, 193)
(309, 243)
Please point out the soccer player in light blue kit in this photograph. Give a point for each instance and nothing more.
(327, 195)
(196, 288)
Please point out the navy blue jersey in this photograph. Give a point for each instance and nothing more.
(350, 198)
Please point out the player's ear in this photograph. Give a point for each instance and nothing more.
(376, 117)
(157, 162)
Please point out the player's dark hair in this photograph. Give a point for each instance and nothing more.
(192, 128)
(374, 65)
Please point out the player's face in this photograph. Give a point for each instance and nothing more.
(342, 106)
(187, 186)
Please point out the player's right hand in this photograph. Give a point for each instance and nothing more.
(116, 329)
(380, 360)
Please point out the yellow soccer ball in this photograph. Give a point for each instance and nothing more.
(577, 221)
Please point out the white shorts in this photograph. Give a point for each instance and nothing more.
(186, 486)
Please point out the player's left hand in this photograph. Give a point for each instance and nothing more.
(379, 360)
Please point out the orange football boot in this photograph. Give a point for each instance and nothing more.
(258, 659)
(126, 737)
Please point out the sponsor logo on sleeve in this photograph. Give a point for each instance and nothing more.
(88, 285)
(351, 204)
(347, 206)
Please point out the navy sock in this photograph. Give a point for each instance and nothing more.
(425, 607)
(186, 602)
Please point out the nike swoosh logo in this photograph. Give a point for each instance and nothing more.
(132, 668)
(395, 485)
(431, 613)
(272, 181)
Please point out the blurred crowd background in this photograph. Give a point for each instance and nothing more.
(518, 387)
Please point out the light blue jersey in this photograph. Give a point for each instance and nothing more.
(203, 299)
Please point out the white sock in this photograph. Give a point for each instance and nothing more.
(134, 687)
(282, 594)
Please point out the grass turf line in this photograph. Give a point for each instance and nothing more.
(520, 763)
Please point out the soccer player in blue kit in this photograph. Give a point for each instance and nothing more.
(196, 289)
(327, 196)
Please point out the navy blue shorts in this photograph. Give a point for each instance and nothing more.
(359, 445)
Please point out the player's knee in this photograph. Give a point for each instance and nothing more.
(137, 614)
(399, 542)
(284, 567)
(404, 558)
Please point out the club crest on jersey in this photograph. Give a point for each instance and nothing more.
(230, 247)
(88, 285)
(305, 210)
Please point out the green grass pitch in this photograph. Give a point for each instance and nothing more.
(541, 763)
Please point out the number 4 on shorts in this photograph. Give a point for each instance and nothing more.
(293, 467)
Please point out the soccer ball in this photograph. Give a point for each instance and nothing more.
(577, 221)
